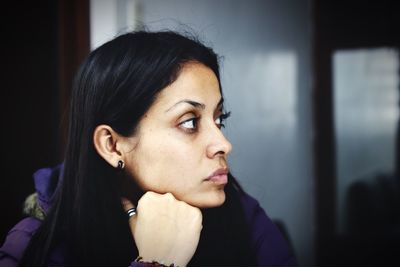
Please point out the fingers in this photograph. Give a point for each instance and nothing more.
(130, 210)
(166, 228)
(126, 204)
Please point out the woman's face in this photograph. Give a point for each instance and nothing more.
(179, 147)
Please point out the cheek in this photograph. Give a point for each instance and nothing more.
(166, 164)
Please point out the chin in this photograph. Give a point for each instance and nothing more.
(212, 200)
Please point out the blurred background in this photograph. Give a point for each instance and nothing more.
(313, 86)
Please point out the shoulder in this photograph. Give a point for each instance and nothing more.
(266, 239)
(18, 239)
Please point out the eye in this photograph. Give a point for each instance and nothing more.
(220, 120)
(189, 125)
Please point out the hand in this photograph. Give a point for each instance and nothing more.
(165, 229)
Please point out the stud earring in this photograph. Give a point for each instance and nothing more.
(121, 165)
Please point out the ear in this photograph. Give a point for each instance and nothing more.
(108, 144)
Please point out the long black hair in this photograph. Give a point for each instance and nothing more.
(116, 85)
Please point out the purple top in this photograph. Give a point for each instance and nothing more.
(267, 241)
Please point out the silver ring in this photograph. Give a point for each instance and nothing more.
(131, 212)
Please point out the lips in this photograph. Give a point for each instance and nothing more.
(220, 176)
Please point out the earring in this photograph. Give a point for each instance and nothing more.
(121, 165)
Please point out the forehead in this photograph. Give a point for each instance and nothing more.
(196, 82)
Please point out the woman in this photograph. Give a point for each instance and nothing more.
(145, 139)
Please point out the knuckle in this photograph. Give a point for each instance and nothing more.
(169, 196)
(140, 202)
(145, 198)
(195, 213)
(198, 214)
(149, 194)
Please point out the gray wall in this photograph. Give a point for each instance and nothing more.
(266, 76)
(366, 100)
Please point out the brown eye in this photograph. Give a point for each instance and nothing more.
(189, 125)
(220, 120)
(219, 123)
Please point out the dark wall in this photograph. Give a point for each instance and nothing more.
(29, 100)
(43, 44)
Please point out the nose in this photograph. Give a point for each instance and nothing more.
(218, 144)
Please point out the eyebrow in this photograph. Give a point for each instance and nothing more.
(195, 104)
